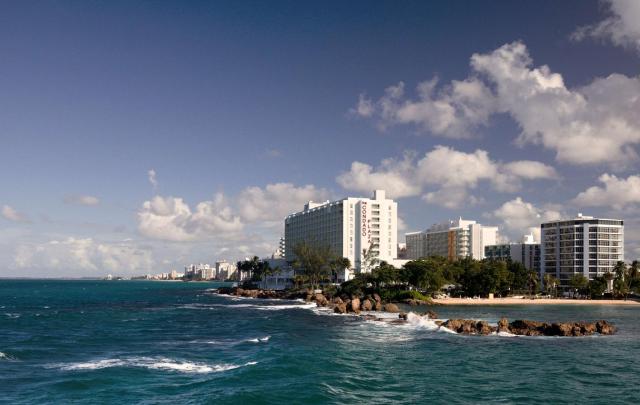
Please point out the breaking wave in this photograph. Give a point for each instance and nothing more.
(151, 363)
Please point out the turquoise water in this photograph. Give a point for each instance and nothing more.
(161, 342)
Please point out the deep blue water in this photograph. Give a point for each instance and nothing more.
(161, 342)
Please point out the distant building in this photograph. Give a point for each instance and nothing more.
(526, 252)
(582, 245)
(225, 270)
(348, 227)
(281, 279)
(452, 239)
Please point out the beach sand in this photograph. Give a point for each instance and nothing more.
(528, 301)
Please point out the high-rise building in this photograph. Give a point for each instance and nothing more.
(348, 227)
(526, 252)
(582, 245)
(451, 239)
(225, 270)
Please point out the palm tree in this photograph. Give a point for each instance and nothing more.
(551, 284)
(337, 265)
(532, 281)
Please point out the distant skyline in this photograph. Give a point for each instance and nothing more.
(141, 136)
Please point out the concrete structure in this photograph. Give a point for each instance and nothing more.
(225, 270)
(526, 252)
(582, 245)
(451, 239)
(348, 227)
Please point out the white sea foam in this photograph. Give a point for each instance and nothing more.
(265, 339)
(152, 363)
(12, 315)
(6, 357)
(281, 307)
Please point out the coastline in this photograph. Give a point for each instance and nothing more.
(527, 301)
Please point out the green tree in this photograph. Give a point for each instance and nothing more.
(597, 287)
(532, 281)
(425, 274)
(519, 276)
(384, 275)
(369, 258)
(313, 262)
(621, 285)
(578, 283)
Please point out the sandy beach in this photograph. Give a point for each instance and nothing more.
(528, 301)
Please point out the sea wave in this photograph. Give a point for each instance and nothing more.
(263, 339)
(12, 315)
(151, 363)
(6, 357)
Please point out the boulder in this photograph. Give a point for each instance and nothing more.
(483, 328)
(411, 302)
(377, 298)
(503, 325)
(527, 328)
(367, 305)
(403, 315)
(337, 300)
(354, 305)
(605, 328)
(340, 308)
(431, 315)
(321, 300)
(391, 308)
(377, 306)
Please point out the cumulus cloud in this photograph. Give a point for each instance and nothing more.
(71, 255)
(519, 217)
(622, 27)
(396, 176)
(451, 111)
(170, 218)
(275, 201)
(12, 214)
(444, 175)
(87, 200)
(151, 174)
(593, 124)
(615, 192)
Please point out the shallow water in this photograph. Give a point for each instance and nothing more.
(155, 342)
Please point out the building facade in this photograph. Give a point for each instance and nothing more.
(527, 252)
(348, 227)
(583, 245)
(452, 239)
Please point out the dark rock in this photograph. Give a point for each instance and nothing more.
(403, 315)
(377, 306)
(431, 315)
(483, 328)
(377, 298)
(411, 302)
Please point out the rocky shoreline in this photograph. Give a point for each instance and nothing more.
(370, 303)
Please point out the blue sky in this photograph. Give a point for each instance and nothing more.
(244, 110)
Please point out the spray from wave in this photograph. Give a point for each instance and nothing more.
(151, 363)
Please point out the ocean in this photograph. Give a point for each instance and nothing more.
(129, 342)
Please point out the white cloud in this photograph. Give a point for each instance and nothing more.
(597, 123)
(622, 27)
(12, 214)
(275, 201)
(170, 218)
(453, 111)
(152, 178)
(615, 192)
(87, 200)
(71, 255)
(396, 176)
(445, 174)
(519, 217)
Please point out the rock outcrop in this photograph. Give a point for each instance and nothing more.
(391, 308)
(525, 327)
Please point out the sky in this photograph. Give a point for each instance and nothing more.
(140, 136)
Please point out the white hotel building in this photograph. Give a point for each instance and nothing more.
(583, 245)
(348, 227)
(452, 239)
